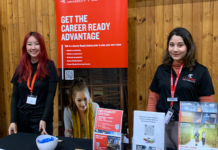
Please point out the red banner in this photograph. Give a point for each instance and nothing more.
(91, 33)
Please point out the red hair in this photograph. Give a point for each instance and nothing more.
(24, 69)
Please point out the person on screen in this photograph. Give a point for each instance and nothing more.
(110, 144)
(199, 109)
(203, 138)
(79, 115)
(180, 54)
(117, 145)
(207, 121)
(34, 86)
(196, 137)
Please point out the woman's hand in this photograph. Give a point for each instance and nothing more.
(12, 128)
(67, 133)
(42, 127)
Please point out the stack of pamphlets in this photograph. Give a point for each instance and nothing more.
(148, 130)
(107, 131)
(197, 126)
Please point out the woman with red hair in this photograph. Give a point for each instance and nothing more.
(34, 86)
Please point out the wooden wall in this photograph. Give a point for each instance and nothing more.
(149, 24)
(17, 18)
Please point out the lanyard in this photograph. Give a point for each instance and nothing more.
(33, 81)
(174, 88)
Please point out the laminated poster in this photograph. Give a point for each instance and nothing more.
(197, 136)
(198, 107)
(148, 130)
(198, 117)
(107, 132)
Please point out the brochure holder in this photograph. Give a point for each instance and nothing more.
(148, 130)
(197, 126)
(107, 132)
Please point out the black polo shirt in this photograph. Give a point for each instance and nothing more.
(190, 86)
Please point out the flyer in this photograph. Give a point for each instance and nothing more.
(107, 131)
(148, 130)
(198, 107)
(197, 136)
(198, 117)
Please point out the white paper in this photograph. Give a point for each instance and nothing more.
(148, 129)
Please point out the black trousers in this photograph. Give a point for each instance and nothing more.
(203, 141)
(28, 121)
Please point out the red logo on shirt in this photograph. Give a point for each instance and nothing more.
(189, 79)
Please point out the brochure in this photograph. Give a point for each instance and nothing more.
(107, 131)
(198, 117)
(197, 136)
(198, 107)
(148, 130)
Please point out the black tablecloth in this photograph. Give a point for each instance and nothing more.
(26, 141)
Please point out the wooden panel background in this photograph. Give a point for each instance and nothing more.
(149, 24)
(17, 18)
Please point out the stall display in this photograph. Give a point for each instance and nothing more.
(107, 131)
(197, 126)
(148, 131)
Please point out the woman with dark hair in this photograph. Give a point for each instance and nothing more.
(34, 86)
(79, 115)
(179, 78)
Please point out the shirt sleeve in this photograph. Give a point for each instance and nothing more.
(155, 83)
(152, 101)
(14, 100)
(53, 72)
(48, 112)
(95, 108)
(207, 98)
(67, 119)
(206, 85)
(52, 85)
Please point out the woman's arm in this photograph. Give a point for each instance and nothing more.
(48, 112)
(207, 98)
(49, 101)
(68, 124)
(152, 101)
(14, 100)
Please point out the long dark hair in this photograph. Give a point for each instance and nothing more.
(189, 59)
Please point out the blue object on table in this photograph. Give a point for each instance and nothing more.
(46, 140)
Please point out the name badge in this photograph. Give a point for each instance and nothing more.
(31, 99)
(169, 115)
(175, 99)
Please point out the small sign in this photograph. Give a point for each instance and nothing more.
(148, 130)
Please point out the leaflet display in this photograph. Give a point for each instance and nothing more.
(107, 132)
(148, 130)
(197, 126)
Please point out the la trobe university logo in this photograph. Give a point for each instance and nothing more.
(189, 78)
